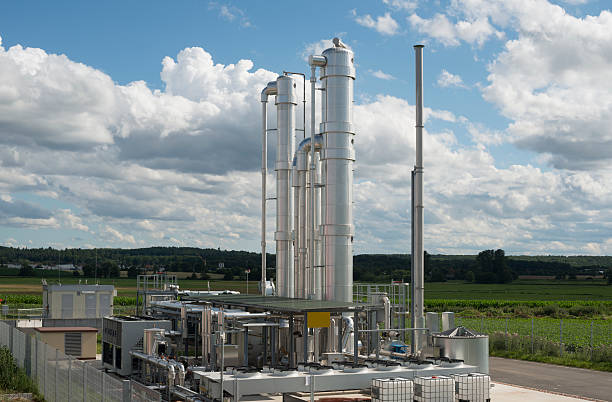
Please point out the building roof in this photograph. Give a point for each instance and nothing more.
(79, 288)
(66, 329)
(277, 304)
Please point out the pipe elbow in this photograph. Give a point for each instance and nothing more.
(349, 322)
(317, 60)
(270, 89)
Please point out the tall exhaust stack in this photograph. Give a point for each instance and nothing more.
(418, 269)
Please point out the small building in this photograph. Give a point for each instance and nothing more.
(78, 301)
(79, 342)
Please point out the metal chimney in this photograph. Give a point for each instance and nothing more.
(418, 269)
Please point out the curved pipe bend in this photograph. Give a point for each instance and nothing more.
(270, 89)
(304, 147)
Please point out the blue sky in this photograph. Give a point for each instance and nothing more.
(114, 123)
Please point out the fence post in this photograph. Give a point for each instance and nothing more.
(102, 386)
(55, 387)
(532, 352)
(561, 337)
(507, 342)
(44, 360)
(69, 378)
(84, 382)
(592, 340)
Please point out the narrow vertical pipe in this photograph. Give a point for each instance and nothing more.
(313, 264)
(418, 267)
(356, 338)
(297, 278)
(264, 175)
(315, 230)
(305, 338)
(291, 340)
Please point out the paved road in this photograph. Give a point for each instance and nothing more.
(549, 377)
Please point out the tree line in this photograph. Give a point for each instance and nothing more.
(489, 266)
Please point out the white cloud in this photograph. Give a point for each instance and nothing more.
(382, 75)
(383, 24)
(407, 5)
(120, 236)
(316, 48)
(563, 111)
(446, 79)
(174, 168)
(231, 13)
(474, 31)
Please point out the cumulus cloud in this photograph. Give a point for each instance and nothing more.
(446, 79)
(317, 48)
(383, 24)
(181, 165)
(382, 75)
(563, 112)
(231, 13)
(474, 30)
(408, 5)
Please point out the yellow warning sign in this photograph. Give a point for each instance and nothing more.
(318, 319)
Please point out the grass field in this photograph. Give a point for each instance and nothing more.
(524, 290)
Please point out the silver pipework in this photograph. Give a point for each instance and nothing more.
(417, 271)
(303, 276)
(286, 101)
(314, 61)
(270, 89)
(206, 334)
(338, 76)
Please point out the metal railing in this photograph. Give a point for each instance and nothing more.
(60, 377)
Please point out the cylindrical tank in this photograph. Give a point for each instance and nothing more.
(148, 340)
(464, 344)
(286, 101)
(338, 155)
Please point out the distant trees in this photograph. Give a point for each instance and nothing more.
(492, 267)
(26, 270)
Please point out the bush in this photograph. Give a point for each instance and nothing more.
(13, 378)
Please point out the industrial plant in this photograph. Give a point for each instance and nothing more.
(310, 334)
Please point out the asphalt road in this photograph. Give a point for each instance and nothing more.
(549, 377)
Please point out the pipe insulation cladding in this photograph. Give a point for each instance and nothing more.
(286, 102)
(338, 156)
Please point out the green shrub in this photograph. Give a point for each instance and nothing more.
(13, 378)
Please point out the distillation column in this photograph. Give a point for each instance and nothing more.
(337, 77)
(286, 101)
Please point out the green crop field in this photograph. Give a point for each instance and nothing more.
(521, 290)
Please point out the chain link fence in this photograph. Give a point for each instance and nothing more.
(62, 378)
(574, 338)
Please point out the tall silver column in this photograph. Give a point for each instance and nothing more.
(337, 77)
(286, 101)
(270, 89)
(418, 268)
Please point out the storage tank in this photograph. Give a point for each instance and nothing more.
(464, 344)
(148, 340)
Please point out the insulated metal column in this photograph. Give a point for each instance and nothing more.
(338, 76)
(302, 167)
(286, 101)
(417, 251)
